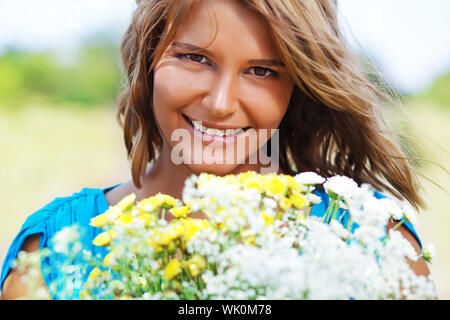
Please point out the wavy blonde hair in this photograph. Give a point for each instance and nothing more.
(333, 124)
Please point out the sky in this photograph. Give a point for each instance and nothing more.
(407, 38)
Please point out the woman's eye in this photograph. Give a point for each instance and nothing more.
(263, 72)
(194, 57)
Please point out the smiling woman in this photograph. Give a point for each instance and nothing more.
(202, 77)
(226, 72)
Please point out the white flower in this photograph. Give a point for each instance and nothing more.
(391, 207)
(341, 185)
(64, 238)
(309, 178)
(401, 246)
(269, 203)
(410, 214)
(368, 233)
(361, 196)
(312, 198)
(429, 253)
(376, 212)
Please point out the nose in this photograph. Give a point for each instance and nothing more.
(220, 99)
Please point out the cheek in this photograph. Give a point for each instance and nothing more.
(267, 105)
(174, 88)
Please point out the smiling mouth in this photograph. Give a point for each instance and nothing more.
(214, 131)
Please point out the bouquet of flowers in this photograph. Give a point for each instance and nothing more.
(253, 236)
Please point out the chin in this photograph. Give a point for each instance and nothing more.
(216, 169)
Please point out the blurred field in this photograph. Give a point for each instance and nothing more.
(52, 152)
(433, 123)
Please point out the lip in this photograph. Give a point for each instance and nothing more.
(209, 138)
(214, 125)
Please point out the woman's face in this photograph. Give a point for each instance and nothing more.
(234, 81)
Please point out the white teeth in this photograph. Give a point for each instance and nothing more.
(216, 132)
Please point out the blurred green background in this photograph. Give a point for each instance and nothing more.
(58, 134)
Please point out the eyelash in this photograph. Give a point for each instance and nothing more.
(273, 73)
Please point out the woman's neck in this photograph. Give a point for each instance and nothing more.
(164, 176)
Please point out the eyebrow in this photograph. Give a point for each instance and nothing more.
(261, 62)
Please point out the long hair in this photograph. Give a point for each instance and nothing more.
(333, 124)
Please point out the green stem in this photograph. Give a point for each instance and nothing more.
(394, 228)
(306, 212)
(335, 211)
(191, 279)
(342, 215)
(349, 223)
(334, 207)
(325, 217)
(201, 283)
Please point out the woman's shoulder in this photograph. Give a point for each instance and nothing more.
(61, 212)
(79, 207)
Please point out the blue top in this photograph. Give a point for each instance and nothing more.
(79, 209)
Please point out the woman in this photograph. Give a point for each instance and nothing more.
(249, 67)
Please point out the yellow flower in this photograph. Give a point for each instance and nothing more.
(159, 200)
(195, 264)
(172, 269)
(273, 185)
(84, 294)
(167, 201)
(300, 216)
(147, 218)
(95, 273)
(279, 215)
(253, 182)
(127, 202)
(292, 184)
(167, 237)
(151, 242)
(176, 285)
(191, 226)
(103, 239)
(160, 241)
(106, 218)
(199, 261)
(171, 246)
(166, 293)
(135, 247)
(107, 259)
(180, 212)
(100, 220)
(285, 203)
(125, 218)
(250, 180)
(248, 237)
(230, 179)
(298, 201)
(193, 269)
(268, 220)
(150, 204)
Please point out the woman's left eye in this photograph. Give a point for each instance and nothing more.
(263, 72)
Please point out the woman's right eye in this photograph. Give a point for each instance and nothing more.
(194, 57)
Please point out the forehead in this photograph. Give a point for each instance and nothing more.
(227, 25)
